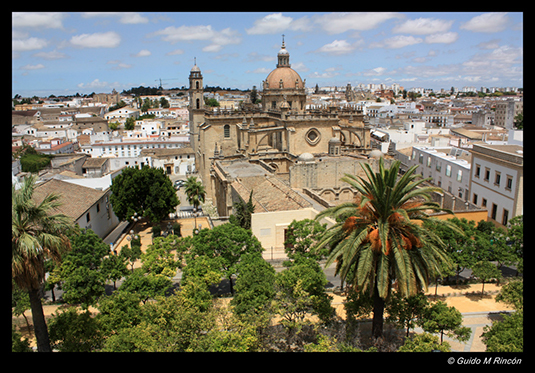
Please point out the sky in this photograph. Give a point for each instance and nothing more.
(65, 53)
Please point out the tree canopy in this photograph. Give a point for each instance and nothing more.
(146, 191)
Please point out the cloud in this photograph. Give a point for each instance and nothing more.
(124, 17)
(22, 45)
(422, 26)
(336, 23)
(219, 39)
(142, 53)
(276, 23)
(396, 42)
(53, 55)
(37, 20)
(108, 39)
(339, 47)
(445, 38)
(97, 84)
(33, 67)
(374, 72)
(260, 70)
(118, 65)
(487, 22)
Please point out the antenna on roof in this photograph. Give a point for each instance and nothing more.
(194, 60)
(283, 40)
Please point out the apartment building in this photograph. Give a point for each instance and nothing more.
(496, 180)
(449, 168)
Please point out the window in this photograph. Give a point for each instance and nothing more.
(439, 166)
(312, 136)
(494, 211)
(509, 184)
(226, 131)
(478, 171)
(497, 178)
(87, 218)
(459, 175)
(98, 207)
(428, 161)
(505, 216)
(487, 174)
(421, 158)
(475, 199)
(448, 170)
(484, 202)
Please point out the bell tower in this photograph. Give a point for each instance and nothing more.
(196, 104)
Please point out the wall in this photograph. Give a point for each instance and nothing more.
(269, 227)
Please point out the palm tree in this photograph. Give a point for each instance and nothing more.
(36, 235)
(376, 240)
(195, 192)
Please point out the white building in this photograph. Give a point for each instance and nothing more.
(449, 167)
(132, 148)
(122, 114)
(496, 180)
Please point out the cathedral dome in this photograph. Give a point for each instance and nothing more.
(289, 77)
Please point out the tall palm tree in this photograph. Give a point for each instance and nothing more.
(376, 240)
(194, 191)
(36, 235)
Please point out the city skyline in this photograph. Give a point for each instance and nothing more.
(66, 53)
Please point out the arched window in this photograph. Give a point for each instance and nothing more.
(226, 131)
(197, 85)
(198, 103)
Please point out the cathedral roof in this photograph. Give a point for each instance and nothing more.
(287, 75)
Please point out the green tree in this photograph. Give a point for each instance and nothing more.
(301, 289)
(507, 335)
(129, 124)
(424, 342)
(194, 191)
(72, 331)
(227, 242)
(405, 312)
(146, 285)
(254, 285)
(485, 271)
(146, 191)
(242, 212)
(37, 234)
(81, 272)
(301, 236)
(439, 318)
(376, 241)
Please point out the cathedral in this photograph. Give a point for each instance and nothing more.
(237, 150)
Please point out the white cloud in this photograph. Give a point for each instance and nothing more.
(22, 45)
(395, 42)
(142, 53)
(276, 22)
(445, 38)
(124, 17)
(33, 67)
(260, 70)
(488, 22)
(52, 55)
(374, 72)
(36, 20)
(108, 39)
(336, 23)
(97, 84)
(422, 26)
(339, 47)
(188, 33)
(118, 65)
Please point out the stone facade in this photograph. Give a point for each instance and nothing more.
(272, 135)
